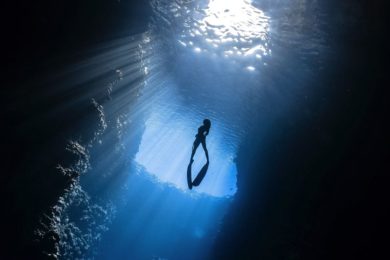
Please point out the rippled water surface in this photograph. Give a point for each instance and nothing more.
(234, 30)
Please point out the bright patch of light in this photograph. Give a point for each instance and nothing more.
(225, 27)
(250, 68)
(234, 20)
(165, 151)
(182, 43)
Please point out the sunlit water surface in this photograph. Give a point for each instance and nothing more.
(234, 30)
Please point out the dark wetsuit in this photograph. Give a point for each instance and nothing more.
(201, 139)
(202, 132)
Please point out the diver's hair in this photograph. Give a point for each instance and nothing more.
(207, 122)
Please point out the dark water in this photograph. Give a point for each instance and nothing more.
(293, 94)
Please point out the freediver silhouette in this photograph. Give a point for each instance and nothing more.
(200, 138)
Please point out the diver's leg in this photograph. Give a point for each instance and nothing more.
(194, 147)
(205, 149)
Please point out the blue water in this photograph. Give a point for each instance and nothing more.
(198, 60)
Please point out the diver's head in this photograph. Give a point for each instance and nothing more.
(207, 123)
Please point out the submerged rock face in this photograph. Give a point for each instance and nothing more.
(75, 226)
(70, 134)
